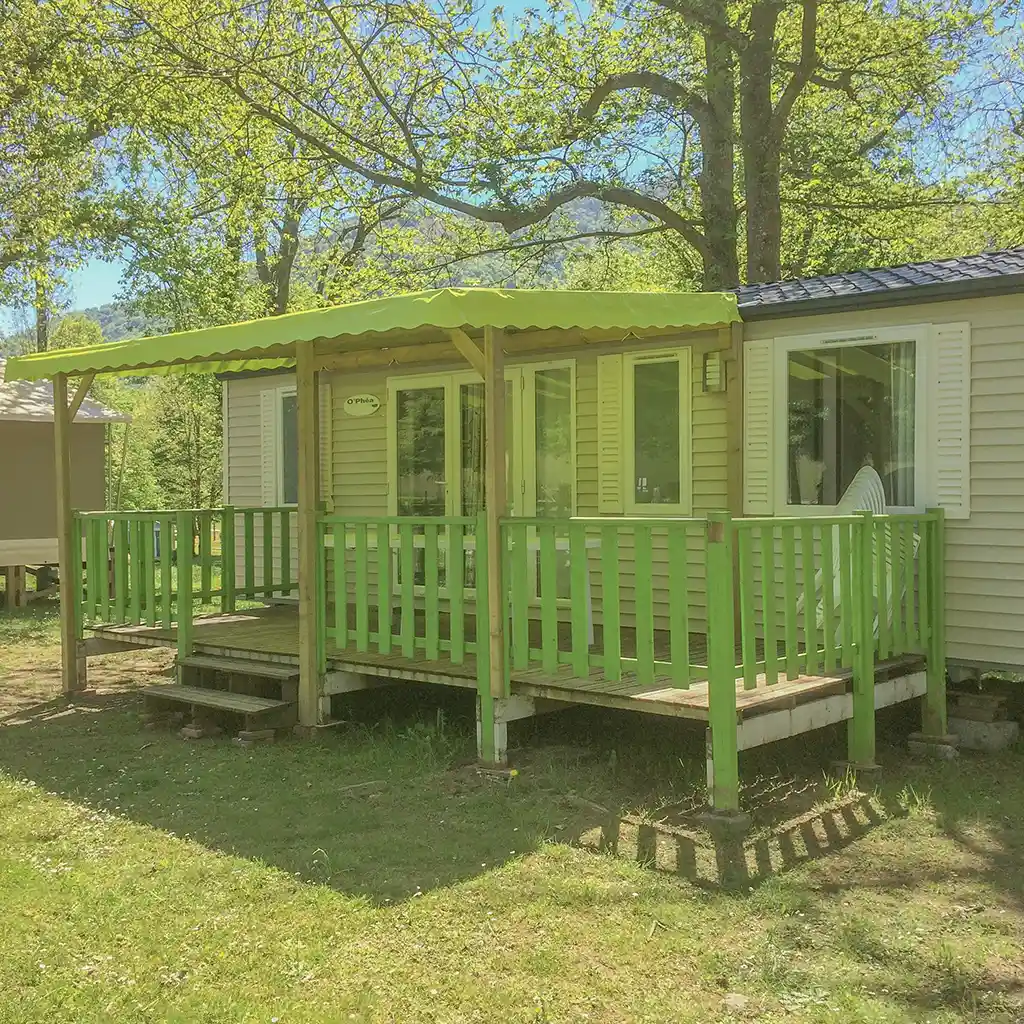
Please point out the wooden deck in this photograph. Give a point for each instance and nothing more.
(271, 635)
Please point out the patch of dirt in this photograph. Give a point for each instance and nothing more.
(34, 678)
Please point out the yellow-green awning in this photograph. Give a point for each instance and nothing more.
(401, 320)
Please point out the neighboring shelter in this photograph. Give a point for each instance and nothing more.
(534, 494)
(920, 369)
(28, 516)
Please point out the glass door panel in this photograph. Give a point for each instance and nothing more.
(421, 461)
(471, 447)
(550, 392)
(471, 441)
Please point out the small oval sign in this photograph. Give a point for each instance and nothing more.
(361, 405)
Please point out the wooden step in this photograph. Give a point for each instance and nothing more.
(242, 666)
(222, 700)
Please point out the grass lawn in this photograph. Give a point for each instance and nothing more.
(144, 878)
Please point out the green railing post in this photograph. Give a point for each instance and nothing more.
(320, 595)
(75, 569)
(861, 729)
(723, 758)
(183, 548)
(934, 716)
(227, 559)
(486, 746)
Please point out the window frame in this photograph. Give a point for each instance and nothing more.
(522, 446)
(682, 355)
(282, 392)
(918, 334)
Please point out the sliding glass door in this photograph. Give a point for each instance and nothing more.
(437, 436)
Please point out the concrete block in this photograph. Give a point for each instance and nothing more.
(250, 737)
(942, 747)
(988, 736)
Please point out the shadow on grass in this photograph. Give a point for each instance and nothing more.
(390, 804)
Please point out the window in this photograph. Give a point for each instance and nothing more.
(657, 432)
(436, 446)
(288, 453)
(849, 403)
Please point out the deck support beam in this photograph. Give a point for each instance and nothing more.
(934, 719)
(495, 684)
(73, 672)
(309, 503)
(861, 728)
(722, 751)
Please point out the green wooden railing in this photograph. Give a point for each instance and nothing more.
(134, 563)
(606, 597)
(810, 596)
(738, 603)
(404, 585)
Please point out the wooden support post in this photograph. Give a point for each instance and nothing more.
(469, 350)
(82, 390)
(184, 551)
(861, 728)
(16, 594)
(309, 504)
(733, 370)
(722, 756)
(69, 553)
(495, 503)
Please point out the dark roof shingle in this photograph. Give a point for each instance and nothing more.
(987, 272)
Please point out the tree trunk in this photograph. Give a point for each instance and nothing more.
(760, 146)
(718, 202)
(42, 309)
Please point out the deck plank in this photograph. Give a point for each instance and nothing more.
(271, 634)
(223, 700)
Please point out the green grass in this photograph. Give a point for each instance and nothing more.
(143, 878)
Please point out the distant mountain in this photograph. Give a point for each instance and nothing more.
(116, 322)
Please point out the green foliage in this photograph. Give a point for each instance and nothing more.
(186, 443)
(76, 331)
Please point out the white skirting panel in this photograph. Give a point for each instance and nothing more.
(816, 714)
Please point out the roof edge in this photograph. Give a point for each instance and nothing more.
(908, 295)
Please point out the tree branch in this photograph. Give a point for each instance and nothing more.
(805, 68)
(657, 85)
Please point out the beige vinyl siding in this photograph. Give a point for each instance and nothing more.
(985, 553)
(359, 447)
(243, 461)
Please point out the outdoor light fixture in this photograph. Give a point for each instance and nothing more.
(712, 376)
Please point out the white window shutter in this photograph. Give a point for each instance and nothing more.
(268, 446)
(758, 428)
(325, 427)
(610, 412)
(950, 418)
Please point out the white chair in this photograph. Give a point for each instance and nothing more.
(864, 494)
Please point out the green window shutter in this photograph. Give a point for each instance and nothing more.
(610, 412)
(949, 416)
(269, 398)
(759, 428)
